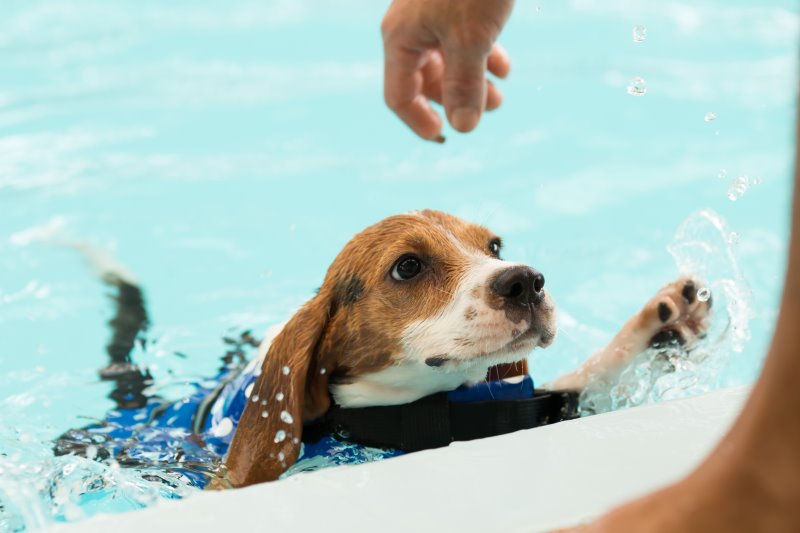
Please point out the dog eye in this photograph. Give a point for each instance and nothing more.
(494, 247)
(406, 268)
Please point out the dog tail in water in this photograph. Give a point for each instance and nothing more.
(128, 326)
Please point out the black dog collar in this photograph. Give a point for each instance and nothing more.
(434, 421)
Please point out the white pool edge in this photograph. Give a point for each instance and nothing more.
(527, 481)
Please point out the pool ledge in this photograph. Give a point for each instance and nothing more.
(527, 481)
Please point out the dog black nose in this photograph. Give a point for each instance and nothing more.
(520, 284)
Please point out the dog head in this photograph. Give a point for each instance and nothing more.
(415, 304)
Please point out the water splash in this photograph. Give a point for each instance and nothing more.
(37, 489)
(339, 453)
(701, 248)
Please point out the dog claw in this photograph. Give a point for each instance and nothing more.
(689, 292)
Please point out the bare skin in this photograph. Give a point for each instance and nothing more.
(440, 50)
(751, 481)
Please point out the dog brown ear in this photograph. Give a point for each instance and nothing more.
(292, 387)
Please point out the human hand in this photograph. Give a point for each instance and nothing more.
(440, 50)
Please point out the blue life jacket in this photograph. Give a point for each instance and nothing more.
(195, 432)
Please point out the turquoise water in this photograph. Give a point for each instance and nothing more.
(225, 151)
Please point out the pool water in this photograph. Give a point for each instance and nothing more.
(225, 151)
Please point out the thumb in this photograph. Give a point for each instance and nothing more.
(464, 86)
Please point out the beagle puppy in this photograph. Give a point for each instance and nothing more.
(417, 304)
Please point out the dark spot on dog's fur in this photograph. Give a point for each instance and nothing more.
(437, 361)
(340, 376)
(470, 313)
(350, 290)
(464, 342)
(689, 291)
(513, 311)
(664, 312)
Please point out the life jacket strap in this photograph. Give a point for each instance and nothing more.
(434, 421)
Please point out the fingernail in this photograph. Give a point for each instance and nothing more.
(438, 139)
(464, 119)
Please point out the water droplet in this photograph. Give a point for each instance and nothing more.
(639, 34)
(733, 238)
(322, 371)
(224, 427)
(248, 390)
(538, 9)
(281, 456)
(285, 370)
(710, 116)
(279, 396)
(738, 187)
(263, 402)
(722, 174)
(286, 417)
(280, 436)
(704, 294)
(757, 181)
(295, 440)
(637, 86)
(264, 414)
(254, 399)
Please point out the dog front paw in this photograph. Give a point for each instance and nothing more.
(678, 315)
